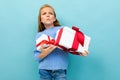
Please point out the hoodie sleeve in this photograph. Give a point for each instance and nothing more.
(36, 52)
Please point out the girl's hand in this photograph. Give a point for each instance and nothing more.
(46, 50)
(84, 53)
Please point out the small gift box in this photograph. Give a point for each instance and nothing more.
(44, 41)
(72, 39)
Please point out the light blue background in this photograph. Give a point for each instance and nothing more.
(100, 19)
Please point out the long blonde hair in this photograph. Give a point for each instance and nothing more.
(41, 26)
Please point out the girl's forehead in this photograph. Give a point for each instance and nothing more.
(46, 9)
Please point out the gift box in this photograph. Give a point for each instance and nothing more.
(44, 40)
(72, 40)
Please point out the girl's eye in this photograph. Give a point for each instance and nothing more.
(43, 13)
(48, 13)
(51, 13)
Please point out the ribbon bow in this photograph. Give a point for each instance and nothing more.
(80, 36)
(49, 41)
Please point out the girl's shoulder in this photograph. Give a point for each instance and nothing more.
(49, 31)
(38, 34)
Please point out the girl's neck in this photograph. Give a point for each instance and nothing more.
(48, 26)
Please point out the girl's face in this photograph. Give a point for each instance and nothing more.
(47, 16)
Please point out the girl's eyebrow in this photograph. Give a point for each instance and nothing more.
(43, 13)
(51, 12)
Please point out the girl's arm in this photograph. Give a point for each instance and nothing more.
(46, 51)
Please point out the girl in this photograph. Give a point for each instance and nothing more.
(53, 61)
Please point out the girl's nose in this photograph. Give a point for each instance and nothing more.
(47, 15)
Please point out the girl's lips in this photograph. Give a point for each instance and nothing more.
(47, 19)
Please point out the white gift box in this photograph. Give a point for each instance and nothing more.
(44, 40)
(70, 39)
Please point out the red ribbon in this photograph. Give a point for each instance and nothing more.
(59, 36)
(52, 41)
(79, 38)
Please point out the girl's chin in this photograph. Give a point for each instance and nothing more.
(48, 23)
